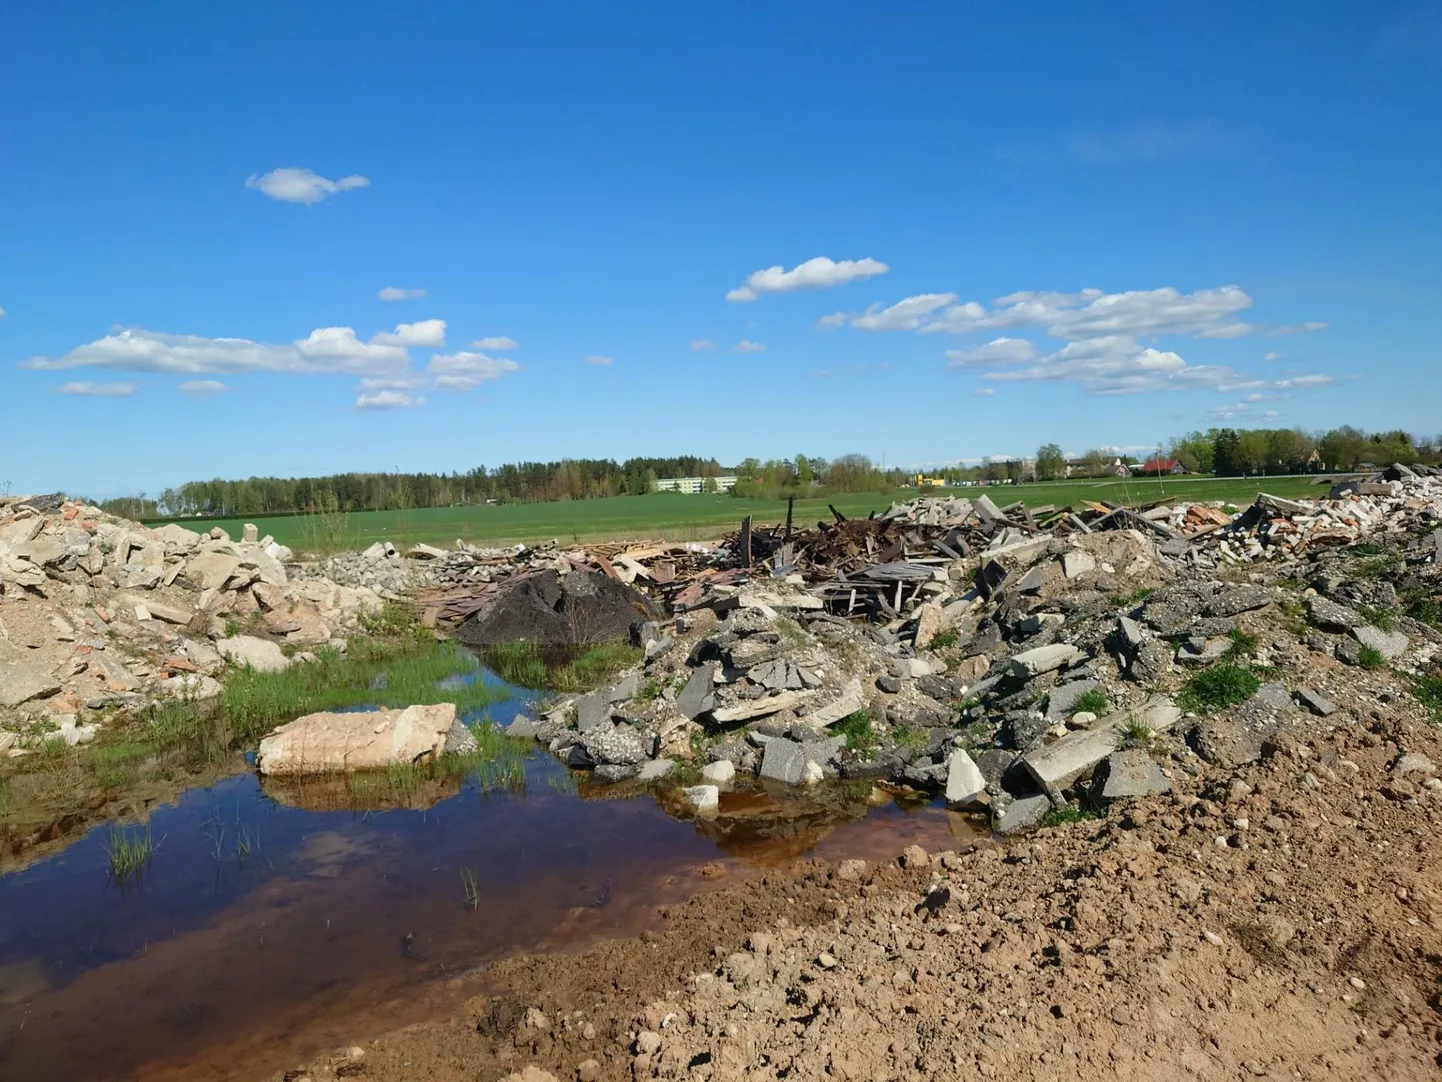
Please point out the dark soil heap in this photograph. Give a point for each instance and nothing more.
(551, 609)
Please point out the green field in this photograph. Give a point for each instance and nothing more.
(673, 517)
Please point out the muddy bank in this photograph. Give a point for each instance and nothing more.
(1242, 925)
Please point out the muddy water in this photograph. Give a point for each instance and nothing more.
(262, 931)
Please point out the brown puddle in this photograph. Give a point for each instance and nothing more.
(263, 931)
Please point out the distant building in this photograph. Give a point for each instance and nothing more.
(1118, 468)
(1158, 466)
(692, 486)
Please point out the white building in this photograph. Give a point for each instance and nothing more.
(692, 486)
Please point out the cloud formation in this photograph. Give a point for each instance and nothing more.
(818, 273)
(467, 371)
(703, 345)
(291, 185)
(597, 359)
(835, 319)
(997, 351)
(501, 344)
(427, 333)
(98, 390)
(202, 388)
(388, 400)
(397, 293)
(748, 346)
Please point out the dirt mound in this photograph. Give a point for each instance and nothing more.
(559, 610)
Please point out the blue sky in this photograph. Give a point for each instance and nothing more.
(926, 234)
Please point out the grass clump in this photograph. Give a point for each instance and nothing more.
(1382, 619)
(911, 738)
(1136, 597)
(1243, 645)
(1369, 657)
(1376, 569)
(1061, 816)
(945, 640)
(791, 631)
(1137, 734)
(1427, 689)
(1094, 701)
(129, 851)
(1218, 687)
(1425, 609)
(471, 888)
(4, 798)
(529, 665)
(859, 732)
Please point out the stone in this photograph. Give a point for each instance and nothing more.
(170, 614)
(611, 773)
(1075, 564)
(1043, 659)
(1062, 699)
(427, 552)
(719, 773)
(210, 570)
(1038, 622)
(655, 770)
(22, 680)
(843, 706)
(1032, 581)
(1331, 616)
(964, 782)
(784, 761)
(747, 709)
(1128, 775)
(891, 685)
(615, 744)
(698, 696)
(1413, 763)
(1274, 697)
(248, 651)
(930, 622)
(192, 686)
(1200, 654)
(1059, 764)
(813, 773)
(363, 740)
(249, 533)
(1390, 644)
(1128, 636)
(1021, 814)
(1239, 599)
(1316, 702)
(704, 799)
(592, 709)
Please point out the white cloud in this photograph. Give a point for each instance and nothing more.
(202, 388)
(427, 333)
(398, 293)
(818, 273)
(388, 400)
(301, 185)
(99, 390)
(1294, 328)
(835, 319)
(597, 359)
(467, 371)
(703, 345)
(748, 346)
(1304, 381)
(502, 343)
(984, 392)
(904, 315)
(1273, 355)
(996, 352)
(2, 313)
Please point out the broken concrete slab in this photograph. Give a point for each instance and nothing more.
(22, 680)
(1059, 764)
(1129, 774)
(1021, 814)
(1390, 644)
(760, 708)
(964, 782)
(1075, 564)
(1330, 616)
(698, 696)
(1316, 702)
(259, 654)
(843, 706)
(1043, 659)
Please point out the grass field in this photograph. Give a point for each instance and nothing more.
(673, 517)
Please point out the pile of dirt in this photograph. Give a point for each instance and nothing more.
(551, 609)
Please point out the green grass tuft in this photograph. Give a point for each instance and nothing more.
(1217, 688)
(1382, 619)
(1378, 568)
(1369, 657)
(1136, 597)
(859, 733)
(129, 851)
(911, 738)
(945, 640)
(1428, 690)
(1243, 646)
(1094, 701)
(581, 669)
(1060, 816)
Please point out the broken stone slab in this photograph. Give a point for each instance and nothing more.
(930, 622)
(1044, 659)
(22, 680)
(1277, 507)
(1129, 774)
(170, 614)
(1062, 762)
(618, 745)
(698, 696)
(1413, 763)
(787, 760)
(760, 708)
(964, 782)
(843, 706)
(1021, 814)
(366, 740)
(1210, 650)
(655, 770)
(703, 799)
(1031, 582)
(1316, 702)
(1075, 564)
(1331, 616)
(191, 686)
(210, 570)
(720, 773)
(1390, 644)
(592, 709)
(1239, 599)
(427, 552)
(1062, 699)
(261, 655)
(766, 599)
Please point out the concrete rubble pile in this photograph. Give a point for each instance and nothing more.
(1036, 672)
(99, 613)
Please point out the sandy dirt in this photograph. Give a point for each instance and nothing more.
(1282, 920)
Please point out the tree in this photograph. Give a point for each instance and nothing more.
(1095, 463)
(1226, 453)
(1050, 463)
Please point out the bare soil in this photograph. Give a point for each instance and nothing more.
(1282, 920)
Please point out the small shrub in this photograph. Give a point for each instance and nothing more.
(1218, 687)
(1369, 657)
(1060, 816)
(860, 736)
(651, 690)
(1094, 701)
(945, 640)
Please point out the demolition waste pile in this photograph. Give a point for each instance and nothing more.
(1203, 740)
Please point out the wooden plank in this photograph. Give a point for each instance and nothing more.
(745, 542)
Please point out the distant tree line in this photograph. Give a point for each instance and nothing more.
(1231, 452)
(812, 475)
